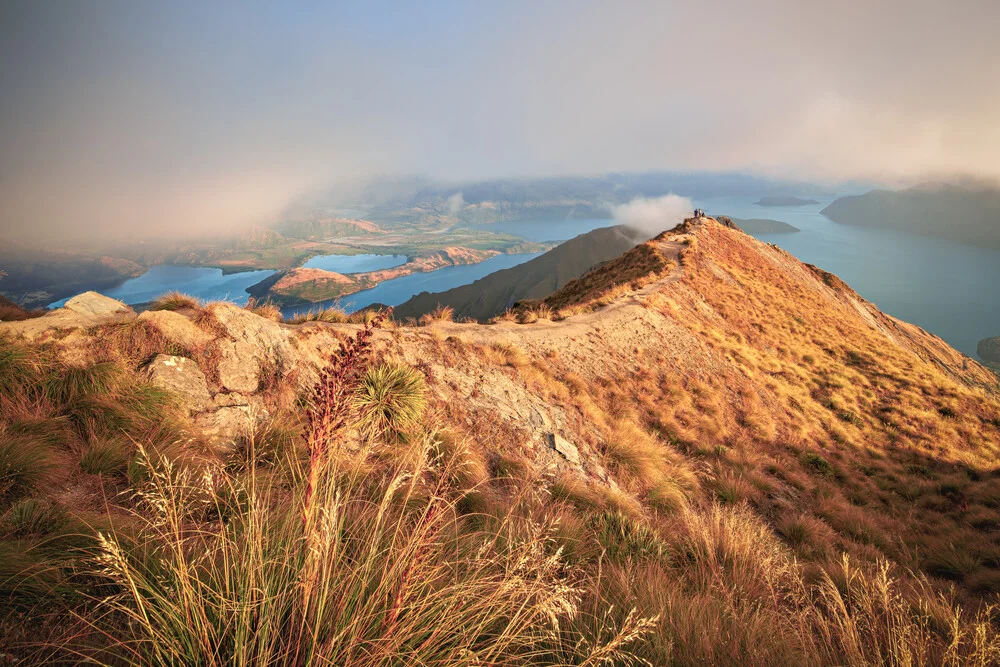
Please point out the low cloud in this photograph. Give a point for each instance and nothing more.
(456, 203)
(651, 216)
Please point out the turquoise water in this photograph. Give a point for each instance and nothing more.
(354, 263)
(204, 283)
(949, 289)
(541, 231)
(396, 291)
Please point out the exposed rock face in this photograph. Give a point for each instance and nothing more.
(181, 376)
(239, 368)
(94, 304)
(177, 328)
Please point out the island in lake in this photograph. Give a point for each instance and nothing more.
(965, 213)
(781, 200)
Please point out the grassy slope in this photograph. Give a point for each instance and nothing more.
(758, 419)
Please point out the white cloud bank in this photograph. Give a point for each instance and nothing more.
(654, 215)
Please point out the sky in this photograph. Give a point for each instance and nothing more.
(180, 116)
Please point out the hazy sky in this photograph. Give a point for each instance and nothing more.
(182, 115)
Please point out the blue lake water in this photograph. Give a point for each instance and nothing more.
(204, 283)
(354, 263)
(947, 288)
(396, 291)
(541, 231)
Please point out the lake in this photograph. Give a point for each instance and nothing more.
(947, 288)
(354, 263)
(201, 282)
(396, 291)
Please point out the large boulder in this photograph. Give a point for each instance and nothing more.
(255, 343)
(183, 378)
(94, 304)
(177, 328)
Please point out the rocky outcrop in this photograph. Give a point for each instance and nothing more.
(92, 304)
(81, 312)
(177, 328)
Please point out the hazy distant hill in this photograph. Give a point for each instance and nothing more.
(969, 214)
(534, 279)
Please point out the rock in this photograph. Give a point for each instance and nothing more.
(177, 328)
(225, 424)
(232, 399)
(94, 304)
(239, 367)
(564, 447)
(181, 376)
(81, 312)
(262, 334)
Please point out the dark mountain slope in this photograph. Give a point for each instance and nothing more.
(534, 279)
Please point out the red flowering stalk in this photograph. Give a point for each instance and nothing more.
(329, 406)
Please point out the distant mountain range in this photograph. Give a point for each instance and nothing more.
(534, 279)
(964, 213)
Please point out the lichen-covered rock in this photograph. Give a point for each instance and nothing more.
(183, 378)
(94, 304)
(177, 328)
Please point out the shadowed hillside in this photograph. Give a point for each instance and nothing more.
(534, 279)
(701, 452)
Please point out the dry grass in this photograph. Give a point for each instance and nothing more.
(175, 301)
(266, 309)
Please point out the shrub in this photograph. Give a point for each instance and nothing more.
(174, 301)
(817, 464)
(34, 517)
(24, 460)
(625, 537)
(74, 383)
(390, 398)
(105, 457)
